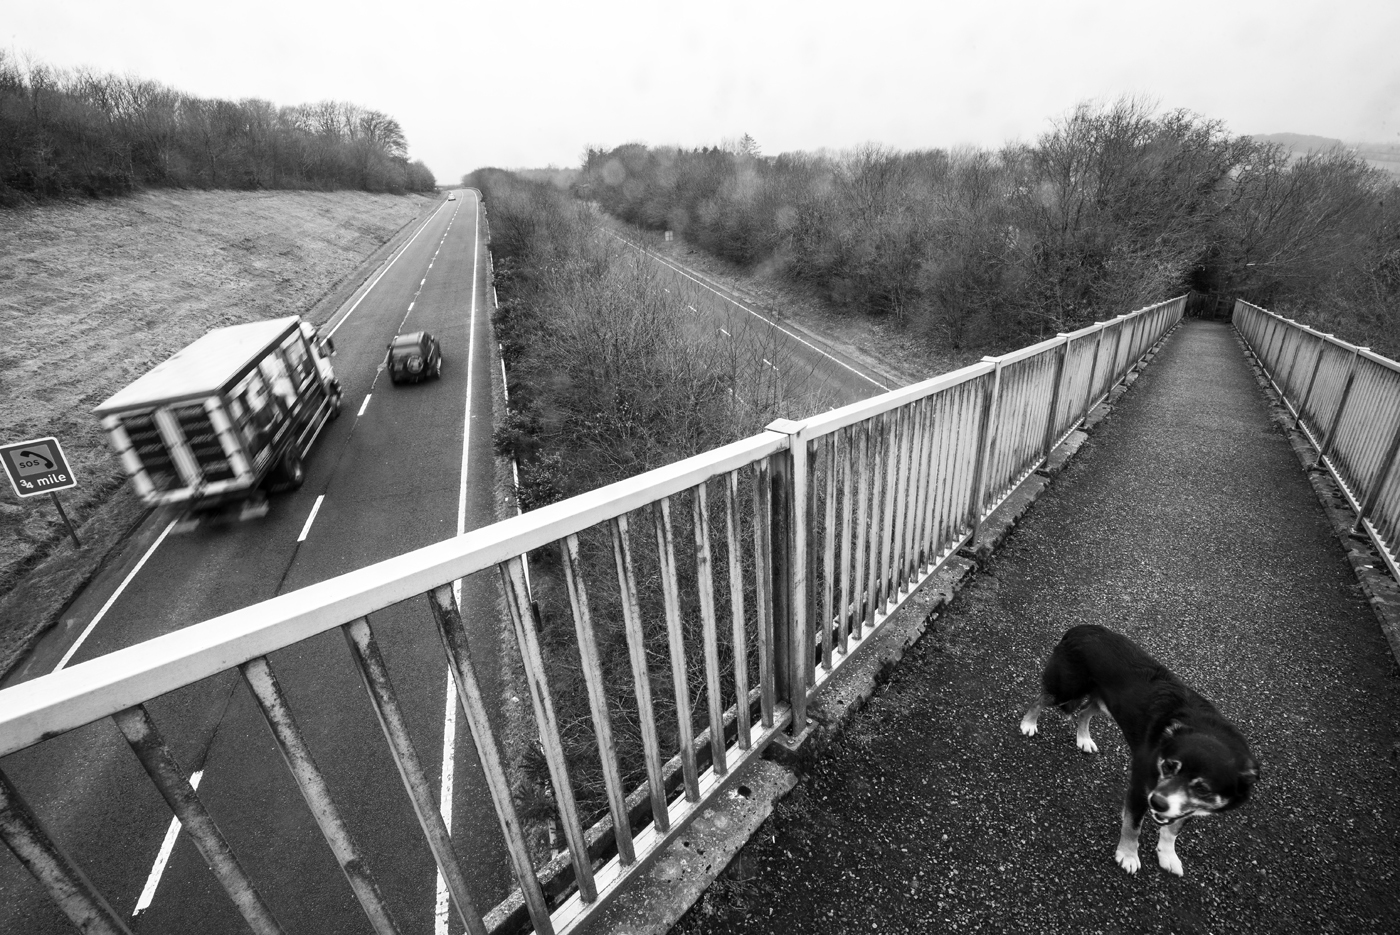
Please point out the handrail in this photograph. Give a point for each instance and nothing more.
(761, 567)
(1346, 400)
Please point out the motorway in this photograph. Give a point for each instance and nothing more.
(403, 467)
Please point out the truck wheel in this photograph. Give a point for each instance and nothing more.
(289, 473)
(336, 397)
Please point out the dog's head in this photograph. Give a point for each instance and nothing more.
(1199, 774)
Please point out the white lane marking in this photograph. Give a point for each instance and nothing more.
(449, 725)
(364, 405)
(410, 305)
(315, 508)
(381, 274)
(740, 305)
(725, 333)
(163, 856)
(113, 599)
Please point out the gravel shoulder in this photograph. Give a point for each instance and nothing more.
(1186, 523)
(92, 294)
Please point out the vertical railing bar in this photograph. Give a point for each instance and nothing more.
(705, 588)
(763, 589)
(1325, 448)
(734, 538)
(862, 576)
(174, 785)
(891, 447)
(522, 618)
(799, 544)
(374, 674)
(1307, 395)
(932, 473)
(454, 643)
(1053, 423)
(845, 614)
(597, 699)
(1089, 388)
(879, 450)
(893, 580)
(985, 443)
(641, 678)
(60, 876)
(825, 618)
(258, 675)
(919, 476)
(666, 553)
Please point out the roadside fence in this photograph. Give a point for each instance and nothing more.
(698, 608)
(1346, 399)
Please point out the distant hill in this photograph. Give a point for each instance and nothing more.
(1381, 155)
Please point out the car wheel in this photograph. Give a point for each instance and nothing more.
(289, 474)
(437, 368)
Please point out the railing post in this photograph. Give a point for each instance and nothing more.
(1341, 407)
(1055, 397)
(1093, 374)
(792, 649)
(986, 441)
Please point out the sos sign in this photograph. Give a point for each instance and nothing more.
(37, 467)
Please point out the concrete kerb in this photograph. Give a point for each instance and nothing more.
(1381, 590)
(715, 841)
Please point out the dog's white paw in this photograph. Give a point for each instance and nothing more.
(1127, 858)
(1086, 744)
(1170, 862)
(1028, 727)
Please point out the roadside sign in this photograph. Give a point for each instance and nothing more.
(37, 467)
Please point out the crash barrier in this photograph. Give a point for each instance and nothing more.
(749, 575)
(1346, 399)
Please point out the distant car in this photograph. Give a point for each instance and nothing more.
(451, 196)
(414, 357)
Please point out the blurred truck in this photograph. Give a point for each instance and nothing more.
(227, 419)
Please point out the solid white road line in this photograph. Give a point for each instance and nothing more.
(449, 723)
(315, 508)
(163, 856)
(113, 599)
(364, 405)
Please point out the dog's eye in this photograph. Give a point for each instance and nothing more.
(1200, 787)
(1170, 767)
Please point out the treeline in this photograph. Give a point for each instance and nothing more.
(1113, 208)
(81, 132)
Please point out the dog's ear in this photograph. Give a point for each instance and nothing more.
(1172, 727)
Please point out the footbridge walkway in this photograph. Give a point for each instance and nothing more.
(694, 639)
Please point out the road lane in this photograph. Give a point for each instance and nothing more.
(388, 480)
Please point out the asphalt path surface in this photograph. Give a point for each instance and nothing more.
(403, 466)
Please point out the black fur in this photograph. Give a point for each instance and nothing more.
(1187, 759)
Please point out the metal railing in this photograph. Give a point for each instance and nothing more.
(1346, 399)
(802, 541)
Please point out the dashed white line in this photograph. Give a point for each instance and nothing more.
(148, 892)
(401, 252)
(316, 508)
(364, 405)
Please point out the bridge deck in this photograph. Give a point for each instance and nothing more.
(1187, 523)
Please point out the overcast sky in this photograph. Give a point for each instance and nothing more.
(525, 83)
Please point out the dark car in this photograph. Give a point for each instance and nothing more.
(414, 357)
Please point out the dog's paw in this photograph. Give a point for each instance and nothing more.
(1170, 862)
(1028, 727)
(1127, 859)
(1086, 744)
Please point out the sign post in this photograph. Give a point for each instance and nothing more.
(37, 467)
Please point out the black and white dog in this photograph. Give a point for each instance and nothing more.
(1187, 760)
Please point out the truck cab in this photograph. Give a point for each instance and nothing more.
(228, 418)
